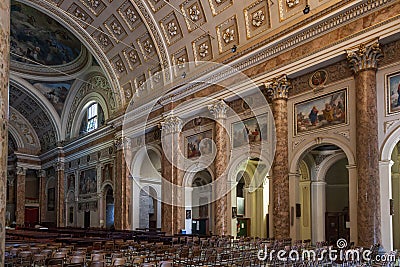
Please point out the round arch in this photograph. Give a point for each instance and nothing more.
(140, 156)
(315, 142)
(327, 163)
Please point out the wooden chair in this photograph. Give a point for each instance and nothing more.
(97, 264)
(51, 262)
(118, 262)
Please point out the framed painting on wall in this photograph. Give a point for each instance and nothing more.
(321, 112)
(393, 92)
(248, 131)
(199, 144)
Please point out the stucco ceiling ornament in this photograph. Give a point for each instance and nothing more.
(79, 14)
(181, 62)
(116, 28)
(292, 3)
(194, 13)
(203, 50)
(132, 56)
(229, 35)
(131, 15)
(258, 18)
(172, 29)
(103, 40)
(148, 46)
(94, 3)
(120, 66)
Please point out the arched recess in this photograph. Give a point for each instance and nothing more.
(108, 199)
(72, 24)
(199, 211)
(145, 169)
(390, 189)
(257, 198)
(318, 169)
(149, 208)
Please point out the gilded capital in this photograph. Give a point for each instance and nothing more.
(122, 143)
(171, 124)
(41, 173)
(364, 57)
(279, 88)
(218, 110)
(59, 166)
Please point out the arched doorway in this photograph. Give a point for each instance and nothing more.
(250, 200)
(146, 188)
(148, 208)
(395, 199)
(200, 200)
(109, 197)
(321, 203)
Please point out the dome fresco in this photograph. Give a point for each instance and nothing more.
(37, 37)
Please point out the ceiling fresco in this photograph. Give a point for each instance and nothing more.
(37, 37)
(56, 93)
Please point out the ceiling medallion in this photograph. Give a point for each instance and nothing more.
(80, 15)
(132, 56)
(103, 40)
(172, 29)
(194, 13)
(229, 35)
(116, 28)
(94, 3)
(120, 66)
(148, 47)
(181, 62)
(258, 18)
(203, 50)
(292, 3)
(131, 15)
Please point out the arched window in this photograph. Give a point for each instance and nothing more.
(92, 119)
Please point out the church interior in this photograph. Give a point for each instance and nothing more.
(198, 132)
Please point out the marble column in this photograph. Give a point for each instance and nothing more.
(4, 73)
(279, 89)
(318, 200)
(59, 167)
(41, 174)
(122, 185)
(20, 199)
(363, 62)
(172, 210)
(218, 110)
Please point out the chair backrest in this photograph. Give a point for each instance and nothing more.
(97, 264)
(54, 262)
(118, 262)
(77, 259)
(165, 264)
(59, 255)
(97, 257)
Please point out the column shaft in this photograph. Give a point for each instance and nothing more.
(367, 159)
(4, 73)
(221, 202)
(280, 171)
(60, 195)
(364, 62)
(20, 199)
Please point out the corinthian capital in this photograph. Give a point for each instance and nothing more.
(279, 88)
(21, 171)
(218, 110)
(364, 57)
(171, 124)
